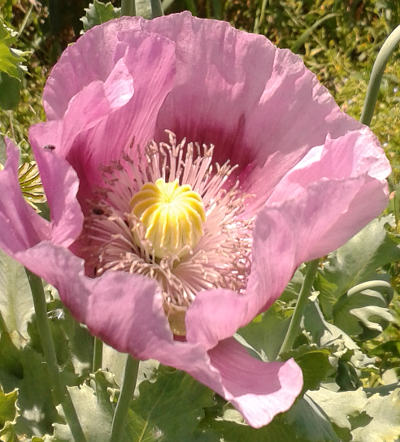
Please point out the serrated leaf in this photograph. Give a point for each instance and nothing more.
(340, 407)
(356, 262)
(16, 305)
(8, 407)
(364, 313)
(8, 414)
(95, 414)
(385, 422)
(9, 433)
(98, 13)
(303, 422)
(24, 369)
(344, 351)
(165, 404)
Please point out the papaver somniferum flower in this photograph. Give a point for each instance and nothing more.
(189, 168)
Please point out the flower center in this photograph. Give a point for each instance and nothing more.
(172, 215)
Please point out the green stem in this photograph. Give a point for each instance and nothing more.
(260, 18)
(125, 397)
(59, 392)
(156, 8)
(376, 75)
(128, 8)
(311, 270)
(25, 21)
(97, 354)
(217, 9)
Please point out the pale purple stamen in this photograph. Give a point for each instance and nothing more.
(115, 239)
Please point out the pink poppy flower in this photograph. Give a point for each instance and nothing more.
(166, 243)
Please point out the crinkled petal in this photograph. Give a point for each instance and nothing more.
(102, 118)
(214, 316)
(349, 174)
(81, 64)
(61, 186)
(258, 389)
(320, 219)
(320, 204)
(20, 226)
(86, 110)
(257, 104)
(126, 311)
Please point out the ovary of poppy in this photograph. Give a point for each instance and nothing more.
(275, 175)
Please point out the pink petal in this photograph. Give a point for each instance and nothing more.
(341, 186)
(321, 203)
(100, 121)
(61, 186)
(258, 104)
(81, 64)
(320, 219)
(20, 226)
(259, 390)
(126, 312)
(86, 110)
(62, 269)
(215, 315)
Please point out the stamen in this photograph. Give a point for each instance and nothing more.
(169, 216)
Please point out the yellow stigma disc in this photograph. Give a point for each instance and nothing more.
(173, 216)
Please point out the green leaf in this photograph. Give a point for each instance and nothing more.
(303, 422)
(16, 305)
(94, 408)
(169, 408)
(73, 342)
(143, 8)
(9, 91)
(23, 368)
(340, 407)
(8, 61)
(314, 363)
(364, 312)
(356, 262)
(266, 332)
(349, 357)
(385, 419)
(98, 13)
(8, 407)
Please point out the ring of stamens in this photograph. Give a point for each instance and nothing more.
(211, 251)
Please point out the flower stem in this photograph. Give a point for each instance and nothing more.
(260, 18)
(59, 392)
(97, 354)
(125, 397)
(311, 270)
(156, 8)
(376, 75)
(128, 8)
